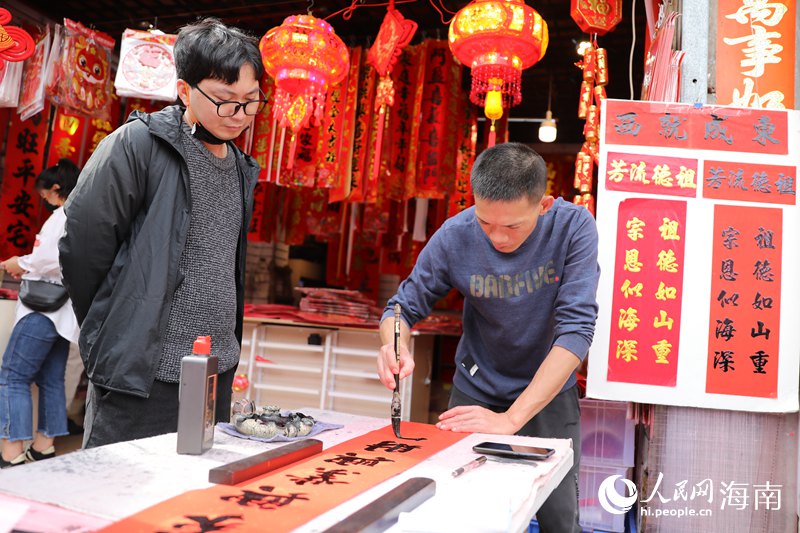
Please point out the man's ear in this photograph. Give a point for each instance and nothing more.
(183, 92)
(546, 203)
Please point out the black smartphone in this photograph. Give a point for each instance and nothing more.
(514, 451)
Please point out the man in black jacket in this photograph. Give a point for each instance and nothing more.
(154, 248)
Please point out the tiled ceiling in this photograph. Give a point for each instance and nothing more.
(113, 16)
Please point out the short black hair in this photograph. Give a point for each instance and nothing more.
(208, 49)
(507, 172)
(64, 174)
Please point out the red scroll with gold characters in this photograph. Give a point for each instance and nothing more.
(648, 290)
(287, 498)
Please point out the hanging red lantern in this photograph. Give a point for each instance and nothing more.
(305, 57)
(497, 39)
(596, 16)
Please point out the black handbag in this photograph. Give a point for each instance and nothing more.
(42, 296)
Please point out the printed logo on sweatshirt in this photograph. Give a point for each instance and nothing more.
(510, 285)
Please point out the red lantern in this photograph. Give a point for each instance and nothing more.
(305, 57)
(497, 39)
(596, 16)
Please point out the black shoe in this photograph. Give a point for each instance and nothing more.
(32, 455)
(19, 460)
(73, 428)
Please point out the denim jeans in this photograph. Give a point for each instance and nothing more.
(36, 353)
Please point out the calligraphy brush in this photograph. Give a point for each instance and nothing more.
(396, 393)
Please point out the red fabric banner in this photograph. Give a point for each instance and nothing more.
(648, 291)
(671, 125)
(361, 134)
(67, 137)
(403, 136)
(288, 498)
(329, 143)
(435, 135)
(340, 189)
(256, 230)
(747, 182)
(654, 174)
(461, 195)
(98, 128)
(756, 53)
(304, 169)
(745, 315)
(306, 206)
(263, 134)
(20, 217)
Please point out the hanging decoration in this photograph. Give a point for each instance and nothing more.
(15, 43)
(81, 77)
(596, 16)
(147, 66)
(31, 98)
(20, 212)
(593, 92)
(404, 135)
(394, 35)
(497, 39)
(438, 119)
(305, 57)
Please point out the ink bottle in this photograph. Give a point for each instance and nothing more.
(197, 397)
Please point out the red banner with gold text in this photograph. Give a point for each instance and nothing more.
(648, 291)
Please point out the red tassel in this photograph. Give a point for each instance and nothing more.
(492, 135)
(376, 163)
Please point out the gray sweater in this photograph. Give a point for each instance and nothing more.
(517, 305)
(205, 298)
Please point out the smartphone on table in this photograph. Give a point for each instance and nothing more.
(513, 451)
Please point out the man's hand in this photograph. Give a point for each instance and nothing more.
(11, 265)
(475, 419)
(387, 364)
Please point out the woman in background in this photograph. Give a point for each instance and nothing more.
(39, 344)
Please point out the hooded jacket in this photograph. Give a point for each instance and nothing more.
(127, 222)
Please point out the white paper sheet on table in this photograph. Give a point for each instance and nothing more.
(479, 501)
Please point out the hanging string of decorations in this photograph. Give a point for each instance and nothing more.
(305, 57)
(497, 39)
(595, 18)
(394, 34)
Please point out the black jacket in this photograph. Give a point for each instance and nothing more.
(127, 222)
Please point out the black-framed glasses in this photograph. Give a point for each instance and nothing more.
(228, 108)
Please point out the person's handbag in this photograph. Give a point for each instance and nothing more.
(42, 296)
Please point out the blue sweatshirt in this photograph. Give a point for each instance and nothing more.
(517, 305)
